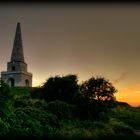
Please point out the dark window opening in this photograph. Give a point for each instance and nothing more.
(11, 82)
(27, 83)
(13, 68)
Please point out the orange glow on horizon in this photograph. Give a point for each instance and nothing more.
(130, 94)
(133, 101)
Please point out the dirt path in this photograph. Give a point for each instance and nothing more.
(137, 132)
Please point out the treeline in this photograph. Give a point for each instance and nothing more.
(92, 96)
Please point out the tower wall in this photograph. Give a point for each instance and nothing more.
(19, 78)
(16, 66)
(16, 74)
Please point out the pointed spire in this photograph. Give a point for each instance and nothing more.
(17, 52)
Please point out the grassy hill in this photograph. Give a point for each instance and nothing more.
(24, 116)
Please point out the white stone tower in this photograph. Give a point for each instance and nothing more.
(16, 74)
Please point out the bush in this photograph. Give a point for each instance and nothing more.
(4, 88)
(4, 99)
(31, 122)
(43, 116)
(37, 93)
(4, 128)
(61, 109)
(25, 101)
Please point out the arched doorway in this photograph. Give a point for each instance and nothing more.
(27, 83)
(11, 82)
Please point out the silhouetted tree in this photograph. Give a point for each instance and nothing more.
(97, 95)
(60, 88)
(97, 89)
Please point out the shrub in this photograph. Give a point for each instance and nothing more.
(31, 122)
(61, 109)
(4, 128)
(37, 93)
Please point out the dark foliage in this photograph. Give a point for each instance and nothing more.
(97, 89)
(60, 88)
(30, 116)
(36, 92)
(62, 110)
(4, 91)
(94, 96)
(4, 98)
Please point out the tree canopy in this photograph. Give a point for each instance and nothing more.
(97, 88)
(60, 88)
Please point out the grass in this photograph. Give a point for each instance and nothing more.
(94, 130)
(128, 115)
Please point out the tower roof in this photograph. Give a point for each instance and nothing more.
(17, 52)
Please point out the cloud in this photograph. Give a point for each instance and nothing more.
(122, 77)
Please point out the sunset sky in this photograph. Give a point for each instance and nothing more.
(87, 39)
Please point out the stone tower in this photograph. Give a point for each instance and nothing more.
(16, 74)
